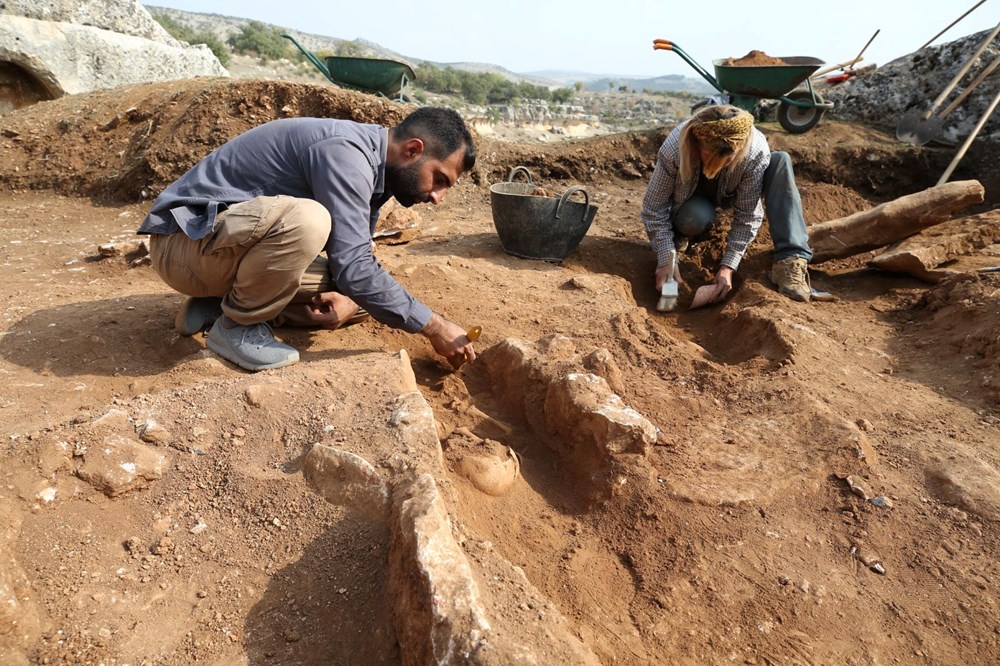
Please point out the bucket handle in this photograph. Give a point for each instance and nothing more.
(570, 192)
(520, 169)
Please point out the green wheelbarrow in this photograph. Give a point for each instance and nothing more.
(798, 110)
(385, 78)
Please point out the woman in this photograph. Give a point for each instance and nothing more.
(717, 158)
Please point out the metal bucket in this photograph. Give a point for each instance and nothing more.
(539, 227)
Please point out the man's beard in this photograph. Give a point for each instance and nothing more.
(404, 183)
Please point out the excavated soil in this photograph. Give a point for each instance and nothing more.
(754, 59)
(824, 485)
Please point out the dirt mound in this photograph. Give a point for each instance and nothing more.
(965, 313)
(130, 143)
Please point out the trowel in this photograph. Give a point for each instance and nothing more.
(705, 295)
(668, 292)
(472, 334)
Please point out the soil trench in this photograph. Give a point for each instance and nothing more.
(818, 482)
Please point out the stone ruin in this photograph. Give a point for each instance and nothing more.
(51, 48)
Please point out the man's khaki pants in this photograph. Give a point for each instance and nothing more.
(262, 258)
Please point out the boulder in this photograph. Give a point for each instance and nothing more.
(127, 17)
(51, 49)
(882, 97)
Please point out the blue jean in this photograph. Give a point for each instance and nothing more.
(784, 212)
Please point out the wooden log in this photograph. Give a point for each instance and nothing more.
(922, 254)
(892, 221)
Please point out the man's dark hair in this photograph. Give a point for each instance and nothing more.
(443, 132)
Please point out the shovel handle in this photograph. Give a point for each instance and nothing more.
(961, 73)
(950, 25)
(972, 86)
(968, 141)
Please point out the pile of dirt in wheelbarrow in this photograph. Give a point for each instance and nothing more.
(779, 482)
(754, 58)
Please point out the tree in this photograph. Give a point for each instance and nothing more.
(265, 42)
(351, 48)
(562, 95)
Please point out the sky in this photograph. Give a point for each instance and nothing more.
(615, 38)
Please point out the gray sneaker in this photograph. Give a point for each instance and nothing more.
(251, 347)
(791, 277)
(197, 314)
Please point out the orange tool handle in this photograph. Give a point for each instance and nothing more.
(662, 45)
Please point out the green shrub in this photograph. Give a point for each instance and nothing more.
(483, 87)
(260, 40)
(185, 34)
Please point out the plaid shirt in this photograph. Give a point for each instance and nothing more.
(741, 182)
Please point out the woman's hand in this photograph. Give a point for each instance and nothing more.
(723, 284)
(663, 271)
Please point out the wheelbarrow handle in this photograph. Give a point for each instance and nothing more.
(667, 45)
(312, 56)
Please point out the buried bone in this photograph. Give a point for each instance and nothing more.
(490, 474)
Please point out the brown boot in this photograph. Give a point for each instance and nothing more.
(791, 277)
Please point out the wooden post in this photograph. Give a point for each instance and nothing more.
(892, 221)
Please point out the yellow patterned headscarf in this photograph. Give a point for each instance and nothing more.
(732, 131)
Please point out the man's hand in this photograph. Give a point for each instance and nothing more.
(663, 271)
(330, 309)
(449, 340)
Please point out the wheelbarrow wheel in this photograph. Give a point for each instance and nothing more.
(799, 119)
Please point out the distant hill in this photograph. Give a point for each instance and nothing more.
(480, 67)
(224, 26)
(599, 82)
(668, 83)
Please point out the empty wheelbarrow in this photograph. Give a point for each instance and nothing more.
(533, 226)
(385, 78)
(798, 111)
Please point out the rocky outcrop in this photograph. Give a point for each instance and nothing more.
(52, 48)
(124, 16)
(882, 97)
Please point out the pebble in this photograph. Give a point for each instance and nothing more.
(857, 488)
(882, 502)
